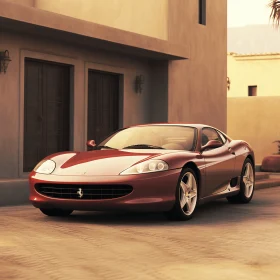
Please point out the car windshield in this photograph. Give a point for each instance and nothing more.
(168, 137)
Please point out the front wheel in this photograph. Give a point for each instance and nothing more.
(56, 212)
(186, 196)
(247, 184)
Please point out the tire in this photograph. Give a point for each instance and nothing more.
(56, 212)
(247, 184)
(187, 195)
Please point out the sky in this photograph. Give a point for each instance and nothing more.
(247, 12)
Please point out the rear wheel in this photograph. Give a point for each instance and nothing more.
(56, 212)
(186, 196)
(247, 184)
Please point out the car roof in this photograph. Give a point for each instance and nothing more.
(179, 124)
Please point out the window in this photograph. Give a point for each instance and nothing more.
(209, 134)
(202, 12)
(224, 139)
(170, 137)
(252, 90)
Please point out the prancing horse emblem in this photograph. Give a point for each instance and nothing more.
(80, 193)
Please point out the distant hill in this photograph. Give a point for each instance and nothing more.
(254, 39)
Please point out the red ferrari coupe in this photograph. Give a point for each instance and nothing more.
(156, 167)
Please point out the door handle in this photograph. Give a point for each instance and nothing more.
(229, 149)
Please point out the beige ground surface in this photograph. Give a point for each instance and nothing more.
(223, 241)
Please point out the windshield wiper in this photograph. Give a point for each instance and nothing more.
(105, 147)
(143, 146)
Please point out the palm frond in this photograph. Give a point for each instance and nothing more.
(275, 12)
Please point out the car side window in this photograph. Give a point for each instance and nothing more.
(224, 139)
(209, 134)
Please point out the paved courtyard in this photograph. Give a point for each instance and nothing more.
(223, 241)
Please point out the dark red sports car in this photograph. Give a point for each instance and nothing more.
(155, 167)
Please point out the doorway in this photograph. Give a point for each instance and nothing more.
(46, 110)
(103, 104)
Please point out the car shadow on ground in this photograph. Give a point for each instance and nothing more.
(216, 212)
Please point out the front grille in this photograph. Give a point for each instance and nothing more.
(72, 191)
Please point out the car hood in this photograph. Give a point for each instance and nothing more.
(101, 162)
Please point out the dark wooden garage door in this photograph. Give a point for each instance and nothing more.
(46, 111)
(103, 104)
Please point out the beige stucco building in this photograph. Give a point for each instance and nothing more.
(253, 74)
(75, 64)
(253, 101)
(256, 120)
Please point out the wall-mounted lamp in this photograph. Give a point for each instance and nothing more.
(139, 81)
(4, 61)
(228, 83)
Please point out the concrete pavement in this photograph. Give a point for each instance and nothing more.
(222, 241)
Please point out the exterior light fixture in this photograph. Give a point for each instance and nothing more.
(139, 81)
(4, 61)
(228, 83)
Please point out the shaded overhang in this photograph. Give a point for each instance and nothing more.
(38, 22)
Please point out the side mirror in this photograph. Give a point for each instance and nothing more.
(212, 144)
(91, 144)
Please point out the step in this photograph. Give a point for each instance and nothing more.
(261, 176)
(14, 192)
(267, 183)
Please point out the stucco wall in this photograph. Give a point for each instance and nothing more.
(136, 107)
(146, 17)
(28, 3)
(254, 70)
(256, 120)
(197, 86)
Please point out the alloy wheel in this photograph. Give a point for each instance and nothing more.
(188, 193)
(248, 180)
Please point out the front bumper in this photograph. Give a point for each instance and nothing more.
(151, 192)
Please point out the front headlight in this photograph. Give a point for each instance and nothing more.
(146, 167)
(45, 167)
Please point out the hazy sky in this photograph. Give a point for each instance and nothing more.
(246, 12)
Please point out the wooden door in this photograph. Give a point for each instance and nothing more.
(46, 110)
(103, 104)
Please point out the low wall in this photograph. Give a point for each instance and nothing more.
(255, 120)
(14, 192)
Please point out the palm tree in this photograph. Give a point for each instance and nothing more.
(275, 12)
